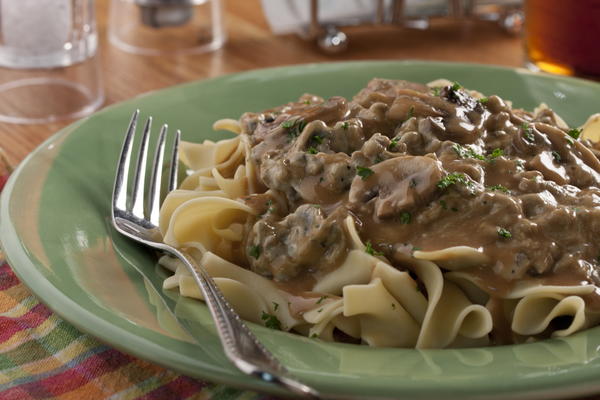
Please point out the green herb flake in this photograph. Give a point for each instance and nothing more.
(271, 321)
(483, 100)
(316, 205)
(495, 154)
(254, 251)
(411, 113)
(393, 143)
(436, 91)
(317, 139)
(456, 86)
(452, 179)
(405, 218)
(320, 310)
(294, 127)
(454, 209)
(275, 306)
(364, 172)
(345, 126)
(321, 299)
(556, 156)
(528, 132)
(378, 159)
(370, 250)
(504, 233)
(307, 102)
(444, 204)
(466, 152)
(574, 133)
(499, 188)
(311, 150)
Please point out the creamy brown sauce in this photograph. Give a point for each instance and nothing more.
(423, 169)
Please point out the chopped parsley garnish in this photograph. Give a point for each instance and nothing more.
(483, 100)
(528, 132)
(570, 140)
(370, 250)
(436, 91)
(317, 139)
(306, 101)
(556, 156)
(364, 172)
(271, 321)
(574, 133)
(275, 306)
(311, 150)
(320, 310)
(294, 127)
(321, 299)
(254, 251)
(495, 154)
(504, 233)
(378, 159)
(268, 204)
(411, 113)
(466, 152)
(456, 86)
(405, 218)
(393, 143)
(345, 125)
(500, 188)
(453, 178)
(316, 205)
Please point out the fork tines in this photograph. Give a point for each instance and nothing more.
(134, 204)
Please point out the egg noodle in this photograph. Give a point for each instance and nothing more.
(429, 300)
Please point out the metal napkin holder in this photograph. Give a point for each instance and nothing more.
(508, 14)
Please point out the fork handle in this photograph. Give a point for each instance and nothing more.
(239, 343)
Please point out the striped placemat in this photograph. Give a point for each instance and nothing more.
(44, 357)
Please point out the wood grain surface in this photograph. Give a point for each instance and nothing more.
(251, 45)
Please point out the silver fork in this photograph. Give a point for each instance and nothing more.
(129, 218)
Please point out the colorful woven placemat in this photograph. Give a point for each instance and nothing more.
(44, 357)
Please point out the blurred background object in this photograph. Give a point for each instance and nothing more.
(563, 37)
(322, 21)
(48, 60)
(154, 27)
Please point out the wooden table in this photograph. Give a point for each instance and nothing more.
(251, 45)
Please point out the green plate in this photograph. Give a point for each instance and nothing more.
(56, 233)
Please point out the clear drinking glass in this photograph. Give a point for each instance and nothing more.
(49, 67)
(155, 27)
